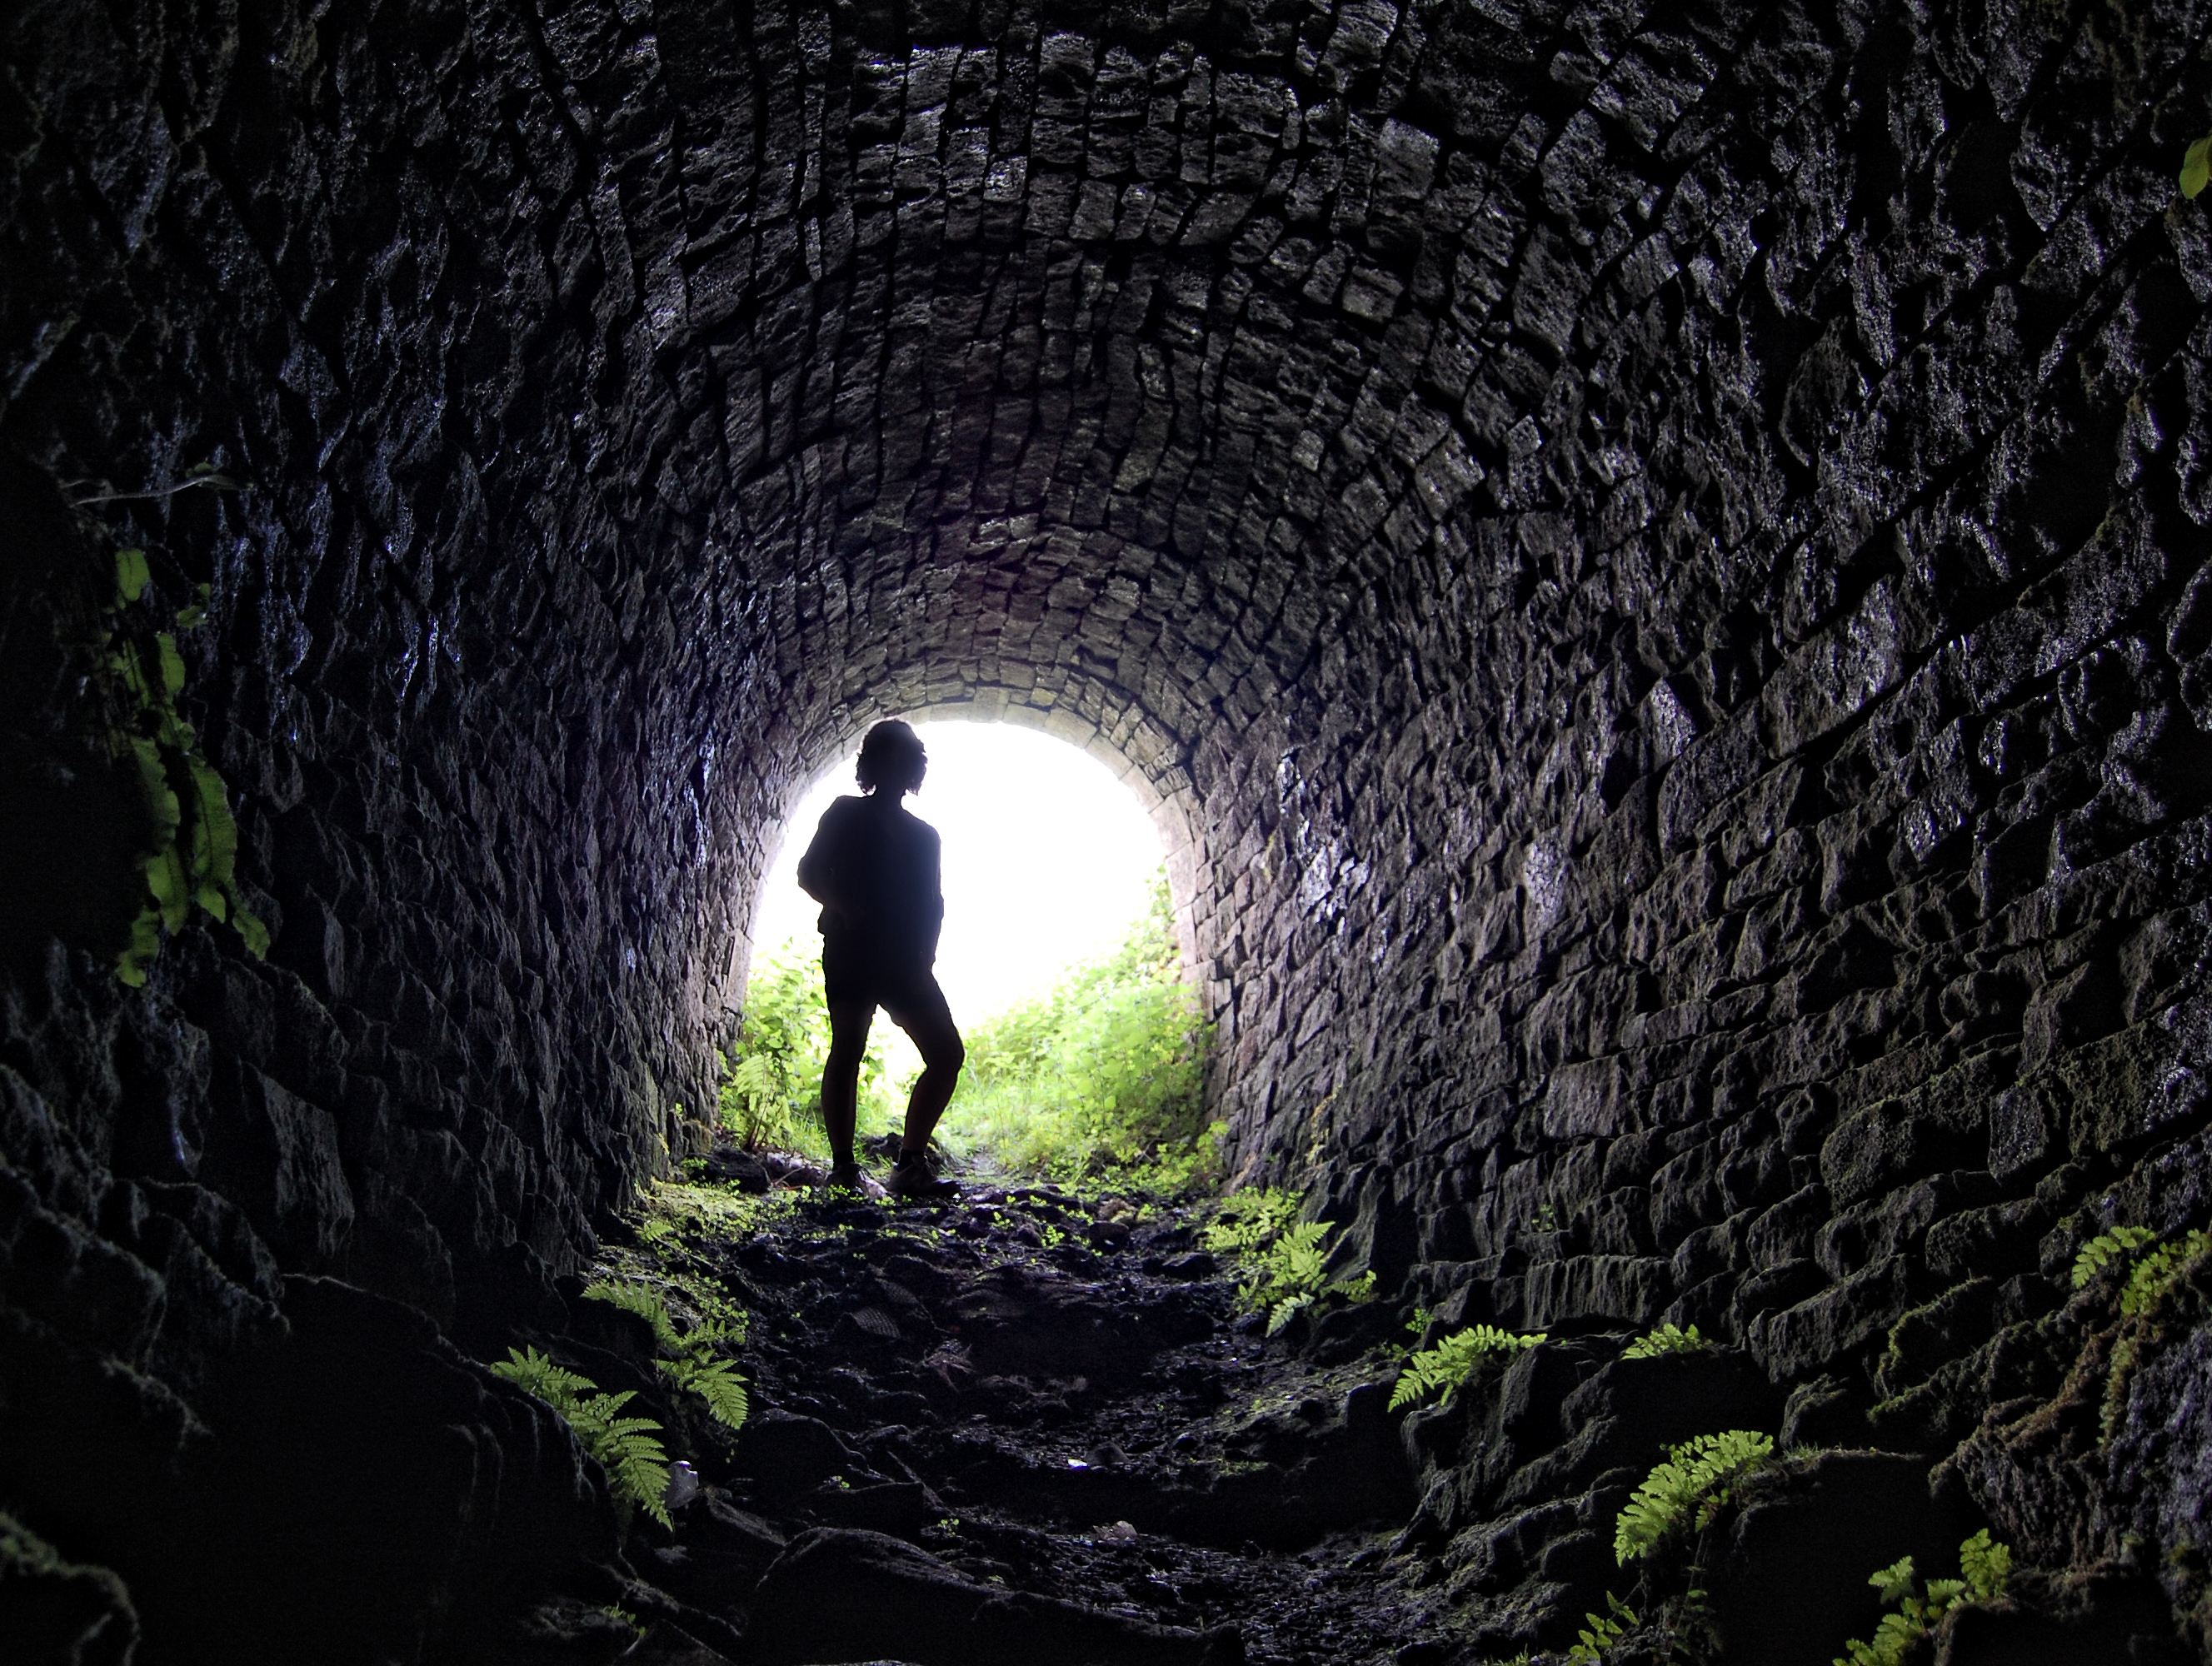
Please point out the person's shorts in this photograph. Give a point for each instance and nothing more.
(853, 975)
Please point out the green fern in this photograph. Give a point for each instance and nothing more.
(1448, 1365)
(533, 1373)
(1251, 1220)
(628, 1448)
(194, 862)
(1668, 1339)
(1692, 1487)
(1985, 1569)
(1280, 1315)
(694, 1367)
(1986, 1566)
(2157, 1273)
(641, 1300)
(1290, 1266)
(717, 1383)
(1601, 1633)
(1283, 1259)
(2119, 1245)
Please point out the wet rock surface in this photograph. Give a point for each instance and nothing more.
(976, 1436)
(946, 1461)
(1650, 560)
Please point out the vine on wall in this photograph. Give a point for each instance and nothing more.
(192, 864)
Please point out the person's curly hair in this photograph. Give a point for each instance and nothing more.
(891, 756)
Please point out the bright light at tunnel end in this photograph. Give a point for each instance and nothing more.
(1047, 858)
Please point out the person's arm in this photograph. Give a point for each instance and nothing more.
(822, 870)
(934, 909)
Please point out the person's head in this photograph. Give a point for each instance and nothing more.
(891, 759)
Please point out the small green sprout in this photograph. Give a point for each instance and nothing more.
(2196, 166)
(2119, 1245)
(1985, 1568)
(1602, 1631)
(1668, 1339)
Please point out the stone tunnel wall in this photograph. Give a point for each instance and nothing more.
(1658, 550)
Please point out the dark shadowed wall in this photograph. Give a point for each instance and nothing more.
(1651, 559)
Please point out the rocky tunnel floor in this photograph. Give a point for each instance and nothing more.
(1001, 1426)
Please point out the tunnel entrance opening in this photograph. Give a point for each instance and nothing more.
(1060, 960)
(1047, 858)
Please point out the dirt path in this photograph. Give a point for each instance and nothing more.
(1002, 1428)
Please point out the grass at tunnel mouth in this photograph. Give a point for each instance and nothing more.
(1099, 1080)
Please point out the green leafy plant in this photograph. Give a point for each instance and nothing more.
(1416, 1327)
(1281, 1259)
(1452, 1361)
(1251, 1220)
(1985, 1569)
(641, 1300)
(771, 1094)
(628, 1448)
(1689, 1488)
(1602, 1631)
(1104, 1074)
(1668, 1339)
(2120, 1245)
(690, 1363)
(2161, 1269)
(193, 865)
(717, 1383)
(2158, 1265)
(2196, 166)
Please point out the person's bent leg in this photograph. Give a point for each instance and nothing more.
(840, 1076)
(927, 1022)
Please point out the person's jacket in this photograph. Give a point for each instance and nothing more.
(874, 868)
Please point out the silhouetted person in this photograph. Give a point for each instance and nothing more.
(873, 867)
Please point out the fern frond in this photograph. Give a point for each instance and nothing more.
(1290, 1266)
(1454, 1360)
(1280, 1315)
(1668, 1339)
(643, 1300)
(1693, 1485)
(1251, 1220)
(628, 1448)
(2119, 1245)
(533, 1373)
(2161, 1270)
(1894, 1582)
(1601, 1631)
(717, 1383)
(1361, 1289)
(1986, 1566)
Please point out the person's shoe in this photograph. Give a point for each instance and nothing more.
(910, 1177)
(852, 1177)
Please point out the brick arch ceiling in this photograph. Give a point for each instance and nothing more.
(1596, 501)
(1066, 397)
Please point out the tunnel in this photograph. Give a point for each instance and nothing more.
(1648, 561)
